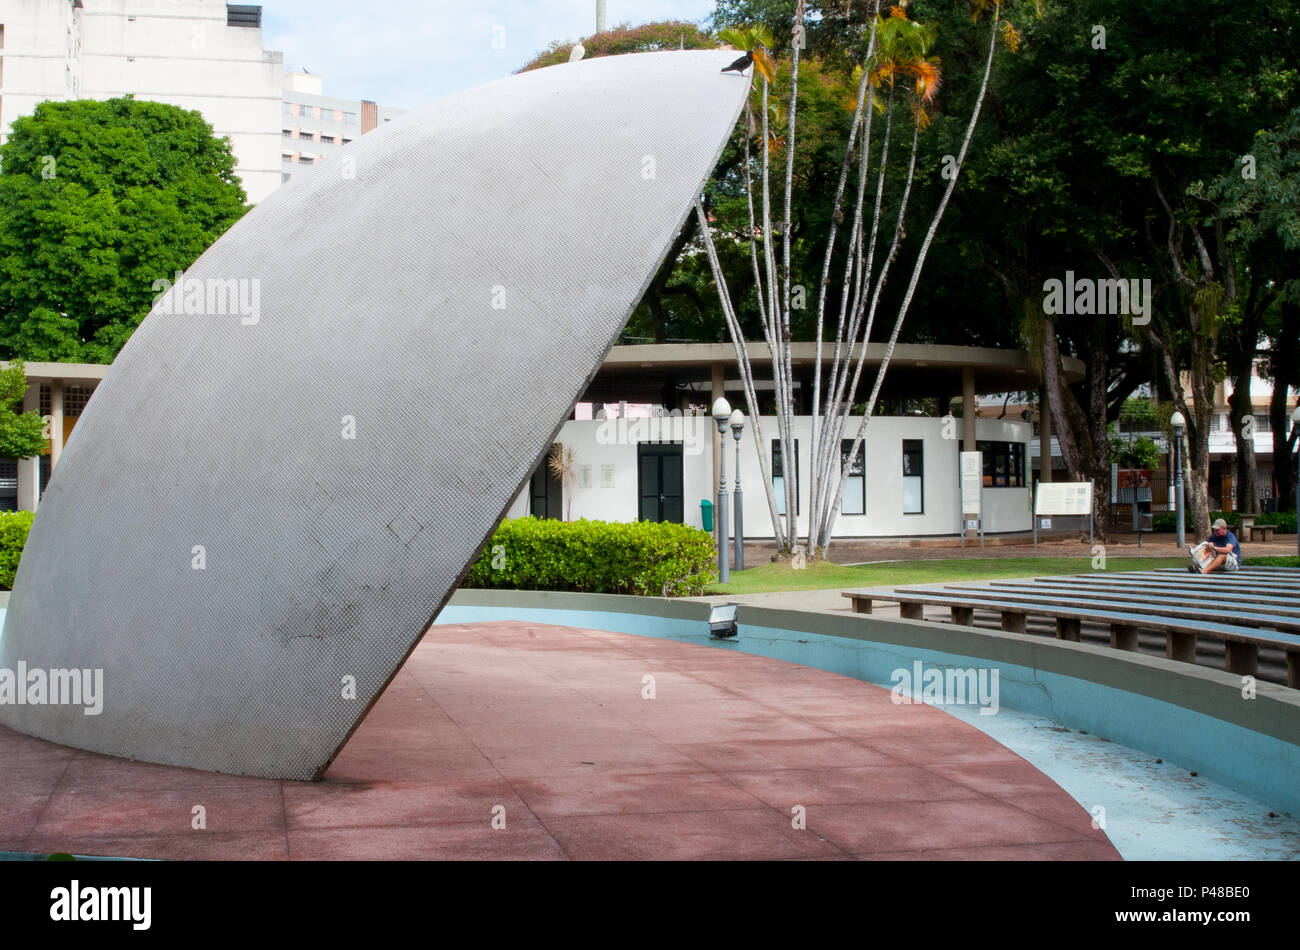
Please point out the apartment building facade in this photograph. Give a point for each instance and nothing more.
(315, 126)
(204, 55)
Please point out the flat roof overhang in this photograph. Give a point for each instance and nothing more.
(71, 373)
(642, 372)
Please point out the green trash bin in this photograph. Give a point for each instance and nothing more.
(706, 514)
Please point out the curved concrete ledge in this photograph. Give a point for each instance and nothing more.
(1192, 715)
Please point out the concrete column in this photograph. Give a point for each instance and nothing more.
(1044, 438)
(29, 470)
(56, 422)
(968, 408)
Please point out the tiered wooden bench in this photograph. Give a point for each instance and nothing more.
(1263, 609)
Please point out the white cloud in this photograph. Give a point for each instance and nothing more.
(406, 53)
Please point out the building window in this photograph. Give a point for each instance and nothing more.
(1004, 463)
(327, 139)
(1216, 423)
(305, 159)
(854, 497)
(288, 108)
(243, 14)
(778, 476)
(306, 110)
(307, 136)
(288, 133)
(1261, 423)
(284, 176)
(75, 399)
(350, 118)
(346, 141)
(913, 477)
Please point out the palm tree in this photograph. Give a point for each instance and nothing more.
(561, 467)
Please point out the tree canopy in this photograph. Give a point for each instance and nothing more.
(625, 38)
(99, 199)
(22, 434)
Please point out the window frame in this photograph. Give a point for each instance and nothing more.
(845, 446)
(780, 493)
(919, 452)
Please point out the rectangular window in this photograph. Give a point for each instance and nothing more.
(778, 476)
(327, 139)
(913, 477)
(244, 14)
(350, 118)
(854, 499)
(288, 108)
(1262, 423)
(305, 160)
(288, 133)
(306, 110)
(1004, 463)
(304, 134)
(346, 141)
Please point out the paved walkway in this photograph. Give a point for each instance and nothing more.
(1014, 545)
(547, 728)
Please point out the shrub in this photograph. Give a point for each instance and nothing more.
(1284, 521)
(604, 557)
(14, 526)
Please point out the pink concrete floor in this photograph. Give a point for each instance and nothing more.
(550, 724)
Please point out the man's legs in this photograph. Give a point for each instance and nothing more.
(1216, 563)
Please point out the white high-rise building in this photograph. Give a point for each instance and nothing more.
(204, 55)
(314, 125)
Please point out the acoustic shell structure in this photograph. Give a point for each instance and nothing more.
(297, 455)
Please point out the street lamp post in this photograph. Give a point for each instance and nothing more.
(1295, 432)
(1177, 421)
(722, 415)
(737, 423)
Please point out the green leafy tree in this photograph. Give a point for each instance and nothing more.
(1260, 203)
(98, 200)
(1102, 129)
(21, 433)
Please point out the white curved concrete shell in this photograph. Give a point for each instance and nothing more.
(269, 496)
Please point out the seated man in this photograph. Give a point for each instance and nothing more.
(1219, 552)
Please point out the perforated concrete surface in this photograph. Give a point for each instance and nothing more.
(279, 482)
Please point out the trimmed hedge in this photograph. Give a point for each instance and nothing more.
(597, 557)
(1284, 521)
(14, 526)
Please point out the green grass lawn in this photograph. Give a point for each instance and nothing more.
(820, 575)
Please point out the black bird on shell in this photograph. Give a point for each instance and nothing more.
(741, 64)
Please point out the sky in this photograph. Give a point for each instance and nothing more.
(404, 53)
